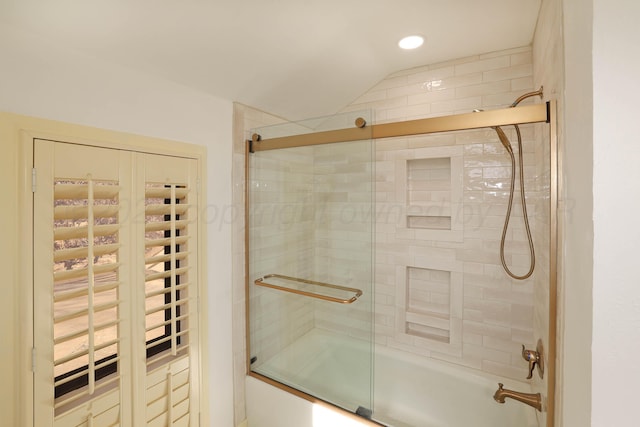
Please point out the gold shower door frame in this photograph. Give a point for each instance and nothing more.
(538, 113)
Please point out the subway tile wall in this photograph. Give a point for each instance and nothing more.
(344, 234)
(282, 224)
(489, 315)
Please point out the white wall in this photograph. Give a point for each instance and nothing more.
(601, 308)
(43, 80)
(616, 202)
(576, 266)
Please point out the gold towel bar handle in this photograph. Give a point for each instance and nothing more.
(261, 282)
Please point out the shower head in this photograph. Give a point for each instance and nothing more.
(501, 134)
(503, 138)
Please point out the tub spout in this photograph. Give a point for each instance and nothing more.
(531, 399)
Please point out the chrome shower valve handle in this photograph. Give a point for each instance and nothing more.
(534, 357)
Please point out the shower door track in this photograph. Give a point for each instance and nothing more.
(482, 119)
(537, 113)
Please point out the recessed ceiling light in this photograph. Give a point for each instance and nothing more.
(411, 42)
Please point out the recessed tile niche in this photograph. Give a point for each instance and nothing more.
(429, 193)
(428, 303)
(432, 193)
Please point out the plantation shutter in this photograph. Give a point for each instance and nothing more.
(80, 275)
(170, 247)
(115, 295)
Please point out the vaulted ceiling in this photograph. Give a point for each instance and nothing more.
(294, 58)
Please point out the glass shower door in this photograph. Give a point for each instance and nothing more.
(311, 265)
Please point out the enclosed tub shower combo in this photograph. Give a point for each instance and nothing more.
(392, 268)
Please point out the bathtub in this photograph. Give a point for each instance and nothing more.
(411, 391)
(408, 390)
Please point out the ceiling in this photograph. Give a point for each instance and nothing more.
(293, 58)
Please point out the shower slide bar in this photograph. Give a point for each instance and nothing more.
(261, 282)
(483, 119)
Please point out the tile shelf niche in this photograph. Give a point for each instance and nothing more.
(431, 187)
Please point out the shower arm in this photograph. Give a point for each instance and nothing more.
(521, 98)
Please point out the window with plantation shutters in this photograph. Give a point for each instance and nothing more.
(115, 288)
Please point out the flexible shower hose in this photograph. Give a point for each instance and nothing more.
(524, 212)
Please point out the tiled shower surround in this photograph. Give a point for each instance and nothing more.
(440, 202)
(442, 293)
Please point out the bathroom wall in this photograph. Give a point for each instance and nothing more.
(616, 154)
(441, 200)
(49, 81)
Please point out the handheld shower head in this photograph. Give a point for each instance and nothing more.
(503, 139)
(501, 134)
(507, 146)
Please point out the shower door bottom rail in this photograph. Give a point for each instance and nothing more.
(262, 282)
